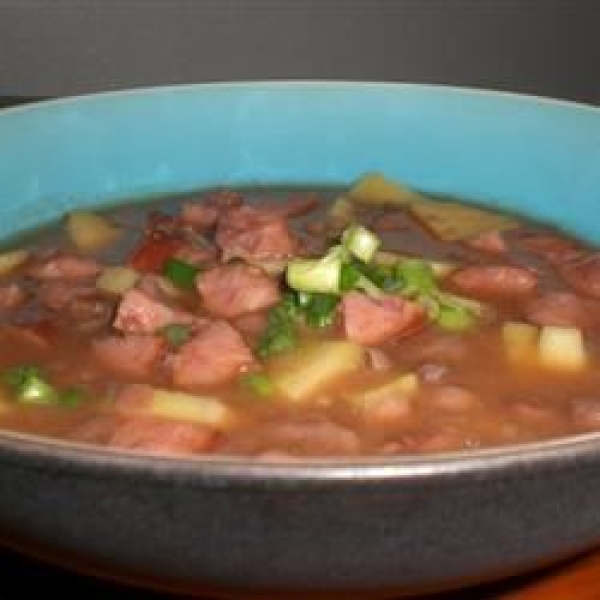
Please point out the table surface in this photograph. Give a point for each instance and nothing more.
(577, 578)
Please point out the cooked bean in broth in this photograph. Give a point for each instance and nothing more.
(282, 323)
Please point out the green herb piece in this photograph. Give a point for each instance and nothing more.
(29, 385)
(349, 277)
(320, 310)
(417, 277)
(258, 383)
(280, 334)
(176, 334)
(180, 273)
(71, 396)
(454, 318)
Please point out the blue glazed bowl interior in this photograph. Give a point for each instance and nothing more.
(533, 155)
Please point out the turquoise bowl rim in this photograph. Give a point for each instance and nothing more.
(520, 152)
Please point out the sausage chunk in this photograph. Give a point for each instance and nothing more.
(554, 248)
(133, 355)
(199, 215)
(232, 290)
(214, 355)
(162, 436)
(12, 295)
(64, 266)
(371, 321)
(562, 308)
(583, 274)
(502, 280)
(139, 313)
(254, 235)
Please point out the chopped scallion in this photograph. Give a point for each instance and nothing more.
(176, 334)
(31, 387)
(71, 396)
(315, 275)
(180, 273)
(258, 383)
(360, 242)
(454, 318)
(320, 310)
(279, 335)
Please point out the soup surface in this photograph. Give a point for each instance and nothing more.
(300, 322)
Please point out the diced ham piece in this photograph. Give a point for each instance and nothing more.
(390, 411)
(36, 337)
(215, 354)
(390, 221)
(63, 266)
(12, 295)
(586, 413)
(562, 308)
(132, 398)
(224, 199)
(490, 241)
(131, 355)
(159, 436)
(313, 436)
(296, 436)
(56, 294)
(235, 289)
(554, 248)
(583, 274)
(199, 215)
(501, 280)
(139, 313)
(254, 235)
(371, 321)
(295, 206)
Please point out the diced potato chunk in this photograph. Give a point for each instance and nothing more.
(314, 367)
(374, 188)
(562, 347)
(520, 341)
(11, 259)
(453, 221)
(189, 407)
(403, 386)
(89, 231)
(117, 280)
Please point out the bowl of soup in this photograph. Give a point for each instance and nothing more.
(312, 338)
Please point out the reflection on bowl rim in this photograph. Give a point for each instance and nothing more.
(303, 469)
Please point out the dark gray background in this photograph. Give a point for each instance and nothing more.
(54, 47)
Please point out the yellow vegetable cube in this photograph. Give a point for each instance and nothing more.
(188, 407)
(403, 386)
(117, 280)
(89, 231)
(314, 367)
(11, 259)
(374, 188)
(562, 347)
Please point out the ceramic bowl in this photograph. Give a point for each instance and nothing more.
(383, 526)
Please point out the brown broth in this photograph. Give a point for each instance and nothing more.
(469, 394)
